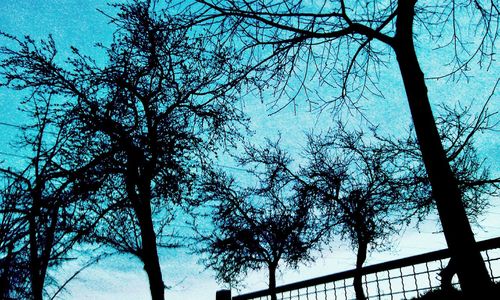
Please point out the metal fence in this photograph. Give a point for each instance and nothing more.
(398, 279)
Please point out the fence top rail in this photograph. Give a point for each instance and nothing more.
(394, 264)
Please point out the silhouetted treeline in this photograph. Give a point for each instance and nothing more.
(120, 145)
(355, 185)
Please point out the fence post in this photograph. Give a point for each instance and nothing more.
(223, 295)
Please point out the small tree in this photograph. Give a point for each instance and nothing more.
(459, 127)
(377, 184)
(359, 182)
(262, 225)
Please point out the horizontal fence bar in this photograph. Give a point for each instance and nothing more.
(385, 266)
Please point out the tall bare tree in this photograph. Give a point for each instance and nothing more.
(154, 112)
(345, 43)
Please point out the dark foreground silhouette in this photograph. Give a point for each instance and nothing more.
(454, 294)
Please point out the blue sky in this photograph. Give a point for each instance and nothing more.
(78, 23)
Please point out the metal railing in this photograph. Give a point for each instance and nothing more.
(398, 279)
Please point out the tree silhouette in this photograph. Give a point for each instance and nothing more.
(376, 184)
(345, 43)
(261, 225)
(458, 127)
(151, 115)
(360, 183)
(39, 218)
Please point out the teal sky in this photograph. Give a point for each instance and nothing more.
(78, 23)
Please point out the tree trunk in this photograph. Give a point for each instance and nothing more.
(358, 277)
(447, 274)
(471, 269)
(150, 256)
(34, 261)
(47, 246)
(139, 193)
(272, 281)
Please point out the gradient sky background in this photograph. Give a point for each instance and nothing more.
(78, 23)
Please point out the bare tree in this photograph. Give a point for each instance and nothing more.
(154, 113)
(376, 184)
(345, 43)
(458, 128)
(359, 182)
(263, 224)
(39, 218)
